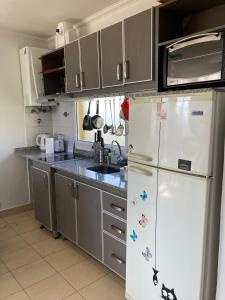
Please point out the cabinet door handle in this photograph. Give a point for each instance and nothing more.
(119, 70)
(117, 229)
(45, 180)
(78, 80)
(117, 208)
(77, 191)
(126, 69)
(82, 81)
(71, 185)
(140, 171)
(118, 259)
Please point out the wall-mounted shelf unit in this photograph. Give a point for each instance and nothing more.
(53, 70)
(179, 19)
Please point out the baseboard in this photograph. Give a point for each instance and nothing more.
(15, 210)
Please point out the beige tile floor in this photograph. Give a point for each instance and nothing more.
(35, 266)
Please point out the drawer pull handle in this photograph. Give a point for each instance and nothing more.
(118, 259)
(117, 208)
(117, 230)
(140, 171)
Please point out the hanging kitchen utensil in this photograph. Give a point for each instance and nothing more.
(87, 124)
(124, 113)
(120, 128)
(106, 127)
(111, 112)
(97, 121)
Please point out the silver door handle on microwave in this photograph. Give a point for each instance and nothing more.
(194, 39)
(139, 157)
(140, 170)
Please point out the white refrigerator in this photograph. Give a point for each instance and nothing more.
(174, 194)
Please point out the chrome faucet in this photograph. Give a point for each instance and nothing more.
(119, 147)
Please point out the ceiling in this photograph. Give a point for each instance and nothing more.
(40, 17)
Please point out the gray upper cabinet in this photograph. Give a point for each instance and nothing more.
(111, 41)
(41, 196)
(72, 64)
(138, 43)
(65, 193)
(89, 220)
(90, 62)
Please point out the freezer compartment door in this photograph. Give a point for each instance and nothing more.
(186, 132)
(181, 232)
(141, 214)
(144, 130)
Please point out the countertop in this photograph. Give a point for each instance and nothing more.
(77, 167)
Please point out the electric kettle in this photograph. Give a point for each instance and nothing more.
(41, 140)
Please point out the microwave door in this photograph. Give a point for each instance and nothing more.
(195, 60)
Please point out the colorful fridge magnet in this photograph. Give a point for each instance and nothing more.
(134, 236)
(168, 294)
(133, 203)
(144, 196)
(143, 221)
(155, 277)
(147, 254)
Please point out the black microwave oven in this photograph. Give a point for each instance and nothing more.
(195, 61)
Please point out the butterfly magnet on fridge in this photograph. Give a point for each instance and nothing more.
(143, 221)
(134, 236)
(147, 254)
(144, 196)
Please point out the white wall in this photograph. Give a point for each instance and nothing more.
(64, 124)
(13, 173)
(111, 15)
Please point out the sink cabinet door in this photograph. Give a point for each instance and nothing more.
(90, 62)
(89, 219)
(112, 55)
(41, 196)
(72, 63)
(65, 206)
(138, 33)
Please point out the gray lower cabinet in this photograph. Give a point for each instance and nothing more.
(111, 43)
(65, 191)
(40, 184)
(115, 255)
(89, 220)
(138, 43)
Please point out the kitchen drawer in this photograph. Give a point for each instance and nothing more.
(115, 205)
(114, 226)
(115, 255)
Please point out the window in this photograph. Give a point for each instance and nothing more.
(109, 109)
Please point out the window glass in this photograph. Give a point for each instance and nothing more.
(109, 109)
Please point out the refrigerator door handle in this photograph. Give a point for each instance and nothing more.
(140, 171)
(139, 157)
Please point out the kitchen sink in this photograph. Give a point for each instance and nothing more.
(103, 169)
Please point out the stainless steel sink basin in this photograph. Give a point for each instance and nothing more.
(103, 169)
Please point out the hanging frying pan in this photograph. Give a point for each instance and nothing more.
(97, 121)
(87, 124)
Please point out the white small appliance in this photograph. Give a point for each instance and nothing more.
(65, 33)
(49, 145)
(41, 141)
(59, 143)
(175, 166)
